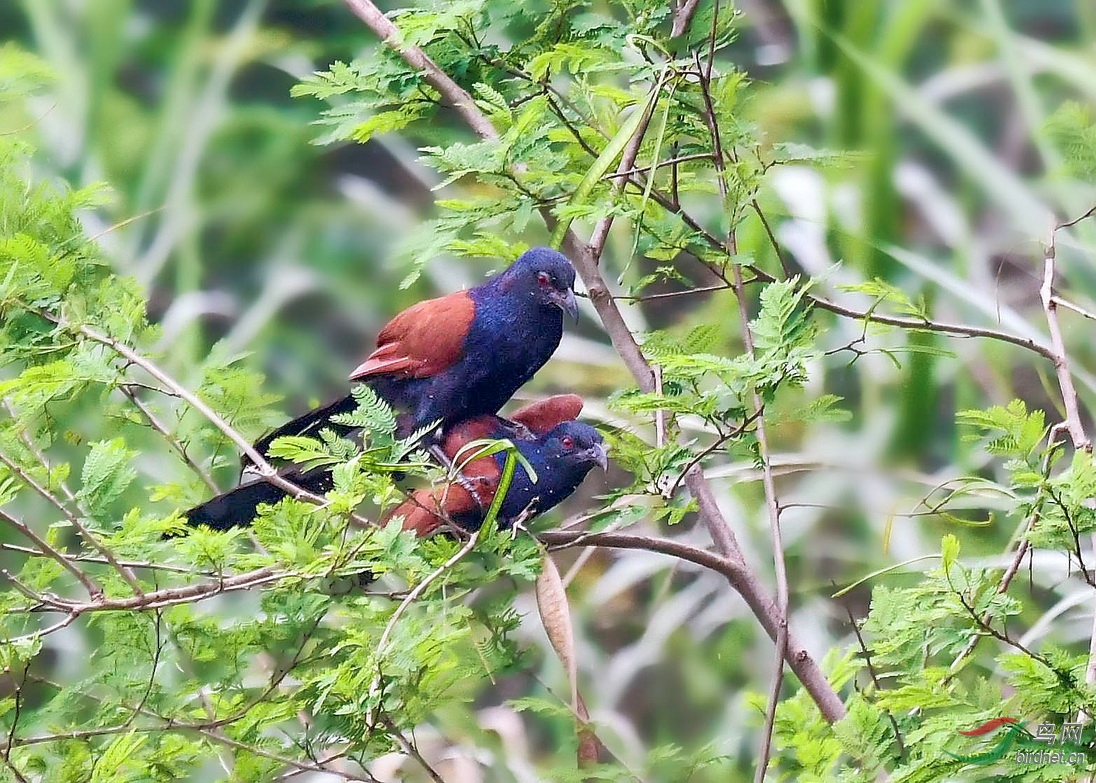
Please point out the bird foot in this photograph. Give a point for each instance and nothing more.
(437, 453)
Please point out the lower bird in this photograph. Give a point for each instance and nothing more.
(560, 450)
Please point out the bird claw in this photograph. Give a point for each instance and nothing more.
(472, 486)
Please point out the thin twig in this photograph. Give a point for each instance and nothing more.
(172, 441)
(40, 455)
(93, 588)
(167, 596)
(409, 748)
(627, 161)
(1019, 540)
(75, 521)
(875, 680)
(26, 550)
(390, 627)
(258, 461)
(1074, 307)
(772, 502)
(209, 730)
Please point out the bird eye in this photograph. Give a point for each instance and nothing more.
(567, 441)
(544, 279)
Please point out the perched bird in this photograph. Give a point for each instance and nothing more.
(464, 354)
(561, 452)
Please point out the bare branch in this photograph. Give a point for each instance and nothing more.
(168, 596)
(683, 16)
(1070, 400)
(740, 577)
(1061, 361)
(93, 588)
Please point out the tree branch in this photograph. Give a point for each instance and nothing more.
(172, 441)
(258, 461)
(741, 578)
(1070, 400)
(458, 97)
(93, 588)
(85, 532)
(585, 261)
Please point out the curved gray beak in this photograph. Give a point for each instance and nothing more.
(599, 455)
(567, 303)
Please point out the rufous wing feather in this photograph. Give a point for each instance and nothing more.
(423, 340)
(428, 509)
(543, 416)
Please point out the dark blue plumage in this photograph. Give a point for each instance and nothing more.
(561, 455)
(516, 327)
(561, 459)
(443, 360)
(464, 354)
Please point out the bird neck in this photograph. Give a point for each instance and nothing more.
(509, 305)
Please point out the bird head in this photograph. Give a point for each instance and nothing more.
(547, 275)
(577, 444)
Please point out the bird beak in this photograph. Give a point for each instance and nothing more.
(567, 303)
(598, 455)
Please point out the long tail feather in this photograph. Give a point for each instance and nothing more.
(238, 507)
(311, 423)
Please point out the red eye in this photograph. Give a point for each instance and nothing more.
(567, 441)
(544, 279)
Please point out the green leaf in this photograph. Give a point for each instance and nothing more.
(106, 475)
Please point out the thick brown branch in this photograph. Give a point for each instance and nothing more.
(741, 578)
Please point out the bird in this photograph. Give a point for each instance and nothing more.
(460, 355)
(529, 428)
(560, 450)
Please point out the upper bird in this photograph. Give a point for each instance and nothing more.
(464, 354)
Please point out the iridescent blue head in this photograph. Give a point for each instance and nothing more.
(576, 444)
(547, 276)
(561, 458)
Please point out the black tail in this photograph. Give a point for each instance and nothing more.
(311, 423)
(238, 507)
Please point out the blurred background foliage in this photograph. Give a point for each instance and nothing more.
(963, 128)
